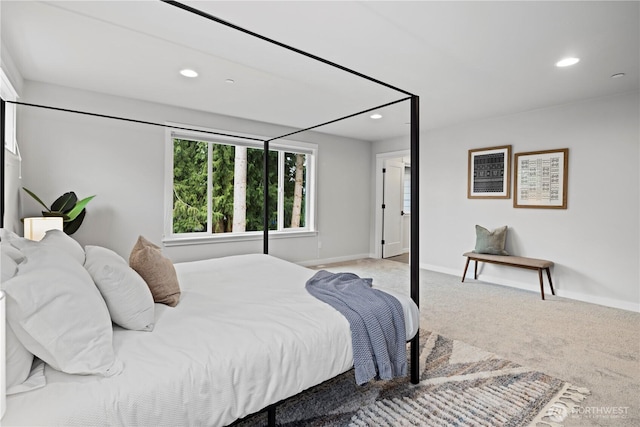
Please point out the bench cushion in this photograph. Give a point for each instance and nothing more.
(514, 260)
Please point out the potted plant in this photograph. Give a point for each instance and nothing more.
(68, 207)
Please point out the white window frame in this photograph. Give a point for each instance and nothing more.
(406, 185)
(8, 93)
(175, 130)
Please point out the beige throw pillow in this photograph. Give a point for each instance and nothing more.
(157, 270)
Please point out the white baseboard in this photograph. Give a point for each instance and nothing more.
(534, 286)
(320, 262)
(439, 269)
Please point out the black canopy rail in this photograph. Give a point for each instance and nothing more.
(282, 45)
(341, 118)
(126, 119)
(2, 138)
(414, 144)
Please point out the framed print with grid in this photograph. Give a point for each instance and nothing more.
(541, 179)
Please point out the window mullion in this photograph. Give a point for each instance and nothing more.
(209, 188)
(307, 203)
(280, 190)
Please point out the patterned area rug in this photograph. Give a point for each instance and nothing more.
(460, 385)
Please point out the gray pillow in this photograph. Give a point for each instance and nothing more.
(491, 242)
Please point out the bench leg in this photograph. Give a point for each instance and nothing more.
(464, 274)
(541, 284)
(475, 270)
(550, 282)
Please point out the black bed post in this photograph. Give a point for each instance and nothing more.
(2, 138)
(415, 230)
(265, 220)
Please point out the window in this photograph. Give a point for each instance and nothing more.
(406, 206)
(215, 187)
(8, 93)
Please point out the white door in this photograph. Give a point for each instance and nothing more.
(392, 201)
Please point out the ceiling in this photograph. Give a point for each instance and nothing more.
(466, 60)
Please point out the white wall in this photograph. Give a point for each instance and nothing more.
(595, 242)
(11, 182)
(11, 178)
(123, 164)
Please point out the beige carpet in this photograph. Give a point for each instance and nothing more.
(400, 258)
(589, 345)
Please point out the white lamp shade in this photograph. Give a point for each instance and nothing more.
(3, 366)
(35, 228)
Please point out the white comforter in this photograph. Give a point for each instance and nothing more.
(245, 334)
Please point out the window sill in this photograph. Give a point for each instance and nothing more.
(230, 237)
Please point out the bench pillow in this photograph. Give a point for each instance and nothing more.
(491, 242)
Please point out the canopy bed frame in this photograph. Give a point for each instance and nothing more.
(414, 156)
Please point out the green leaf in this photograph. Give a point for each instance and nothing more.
(29, 192)
(73, 213)
(64, 203)
(72, 226)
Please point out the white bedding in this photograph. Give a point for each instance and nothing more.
(245, 334)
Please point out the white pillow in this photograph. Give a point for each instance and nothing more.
(8, 241)
(11, 251)
(57, 313)
(8, 266)
(57, 239)
(18, 359)
(61, 240)
(19, 243)
(8, 235)
(36, 379)
(127, 295)
(18, 362)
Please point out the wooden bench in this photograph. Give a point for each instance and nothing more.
(513, 261)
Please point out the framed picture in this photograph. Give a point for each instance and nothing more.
(541, 179)
(489, 175)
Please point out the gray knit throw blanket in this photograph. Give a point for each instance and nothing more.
(376, 319)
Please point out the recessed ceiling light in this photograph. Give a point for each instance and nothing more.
(617, 75)
(189, 73)
(566, 62)
(230, 81)
(376, 116)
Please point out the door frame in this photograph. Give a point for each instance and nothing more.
(377, 208)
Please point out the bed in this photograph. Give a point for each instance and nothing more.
(245, 335)
(236, 345)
